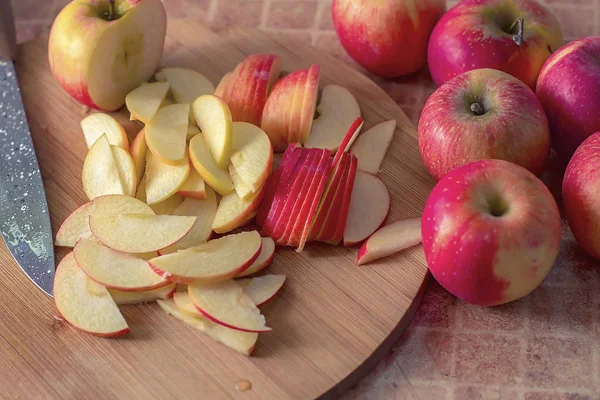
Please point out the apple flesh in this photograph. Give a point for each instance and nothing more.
(233, 211)
(266, 256)
(263, 288)
(119, 204)
(162, 293)
(491, 232)
(251, 154)
(186, 84)
(74, 227)
(164, 180)
(371, 146)
(483, 114)
(97, 124)
(213, 117)
(205, 164)
(138, 151)
(193, 187)
(168, 206)
(389, 240)
(166, 133)
(144, 101)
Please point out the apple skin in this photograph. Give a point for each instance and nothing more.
(573, 112)
(580, 195)
(491, 232)
(97, 64)
(513, 128)
(473, 34)
(375, 33)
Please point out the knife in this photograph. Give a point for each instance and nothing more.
(24, 217)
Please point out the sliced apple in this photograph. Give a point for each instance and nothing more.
(309, 102)
(122, 298)
(184, 302)
(206, 166)
(267, 253)
(390, 239)
(144, 101)
(214, 120)
(125, 169)
(138, 154)
(119, 204)
(216, 260)
(92, 311)
(295, 113)
(241, 188)
(348, 139)
(370, 147)
(223, 85)
(166, 133)
(261, 289)
(160, 77)
(139, 233)
(342, 218)
(114, 269)
(100, 175)
(337, 111)
(251, 154)
(328, 200)
(242, 342)
(249, 219)
(194, 186)
(369, 206)
(226, 303)
(233, 211)
(186, 84)
(265, 77)
(74, 227)
(168, 206)
(97, 124)
(192, 131)
(163, 180)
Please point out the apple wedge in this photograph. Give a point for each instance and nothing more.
(125, 169)
(100, 175)
(163, 180)
(369, 206)
(215, 260)
(214, 120)
(194, 186)
(261, 289)
(337, 111)
(206, 166)
(233, 211)
(241, 188)
(122, 298)
(168, 206)
(144, 101)
(119, 204)
(251, 154)
(97, 124)
(139, 233)
(371, 147)
(115, 270)
(226, 303)
(266, 256)
(92, 311)
(186, 84)
(390, 239)
(138, 150)
(74, 227)
(242, 342)
(166, 133)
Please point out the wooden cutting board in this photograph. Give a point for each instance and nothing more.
(331, 322)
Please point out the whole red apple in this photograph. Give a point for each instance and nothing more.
(491, 232)
(483, 114)
(514, 36)
(569, 89)
(580, 194)
(387, 37)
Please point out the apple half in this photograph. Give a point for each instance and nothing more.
(266, 256)
(97, 124)
(371, 146)
(122, 298)
(390, 239)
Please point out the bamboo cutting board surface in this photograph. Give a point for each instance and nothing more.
(331, 322)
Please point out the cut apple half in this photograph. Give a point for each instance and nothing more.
(261, 289)
(86, 305)
(125, 169)
(251, 154)
(226, 303)
(166, 133)
(114, 269)
(119, 204)
(100, 175)
(233, 211)
(138, 154)
(206, 166)
(337, 110)
(241, 188)
(194, 186)
(98, 124)
(266, 256)
(214, 120)
(369, 206)
(371, 146)
(215, 260)
(163, 180)
(139, 233)
(144, 101)
(390, 239)
(242, 342)
(186, 84)
(74, 227)
(168, 206)
(121, 298)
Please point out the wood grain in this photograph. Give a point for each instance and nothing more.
(331, 322)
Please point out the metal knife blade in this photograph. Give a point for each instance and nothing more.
(24, 217)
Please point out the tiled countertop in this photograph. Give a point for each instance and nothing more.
(542, 347)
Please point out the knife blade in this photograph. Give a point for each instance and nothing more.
(24, 217)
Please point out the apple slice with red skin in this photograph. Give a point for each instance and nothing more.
(266, 256)
(309, 102)
(236, 96)
(122, 298)
(114, 204)
(371, 146)
(216, 260)
(251, 154)
(261, 289)
(369, 206)
(348, 139)
(227, 304)
(75, 227)
(194, 187)
(233, 211)
(390, 239)
(347, 199)
(265, 78)
(138, 151)
(255, 67)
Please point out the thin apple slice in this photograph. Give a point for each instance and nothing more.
(249, 219)
(348, 139)
(138, 154)
(265, 78)
(144, 101)
(328, 198)
(390, 239)
(186, 84)
(216, 260)
(295, 116)
(227, 304)
(192, 131)
(97, 124)
(92, 311)
(100, 175)
(139, 233)
(114, 269)
(166, 133)
(337, 110)
(224, 85)
(168, 206)
(261, 289)
(371, 147)
(369, 206)
(194, 186)
(214, 120)
(74, 227)
(233, 211)
(184, 302)
(162, 293)
(205, 211)
(342, 219)
(251, 154)
(309, 102)
(163, 180)
(125, 169)
(241, 188)
(242, 342)
(266, 256)
(237, 94)
(206, 166)
(119, 204)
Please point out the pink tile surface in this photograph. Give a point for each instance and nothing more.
(543, 347)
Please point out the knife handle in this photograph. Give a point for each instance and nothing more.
(8, 41)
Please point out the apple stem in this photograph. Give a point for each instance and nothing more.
(518, 38)
(477, 109)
